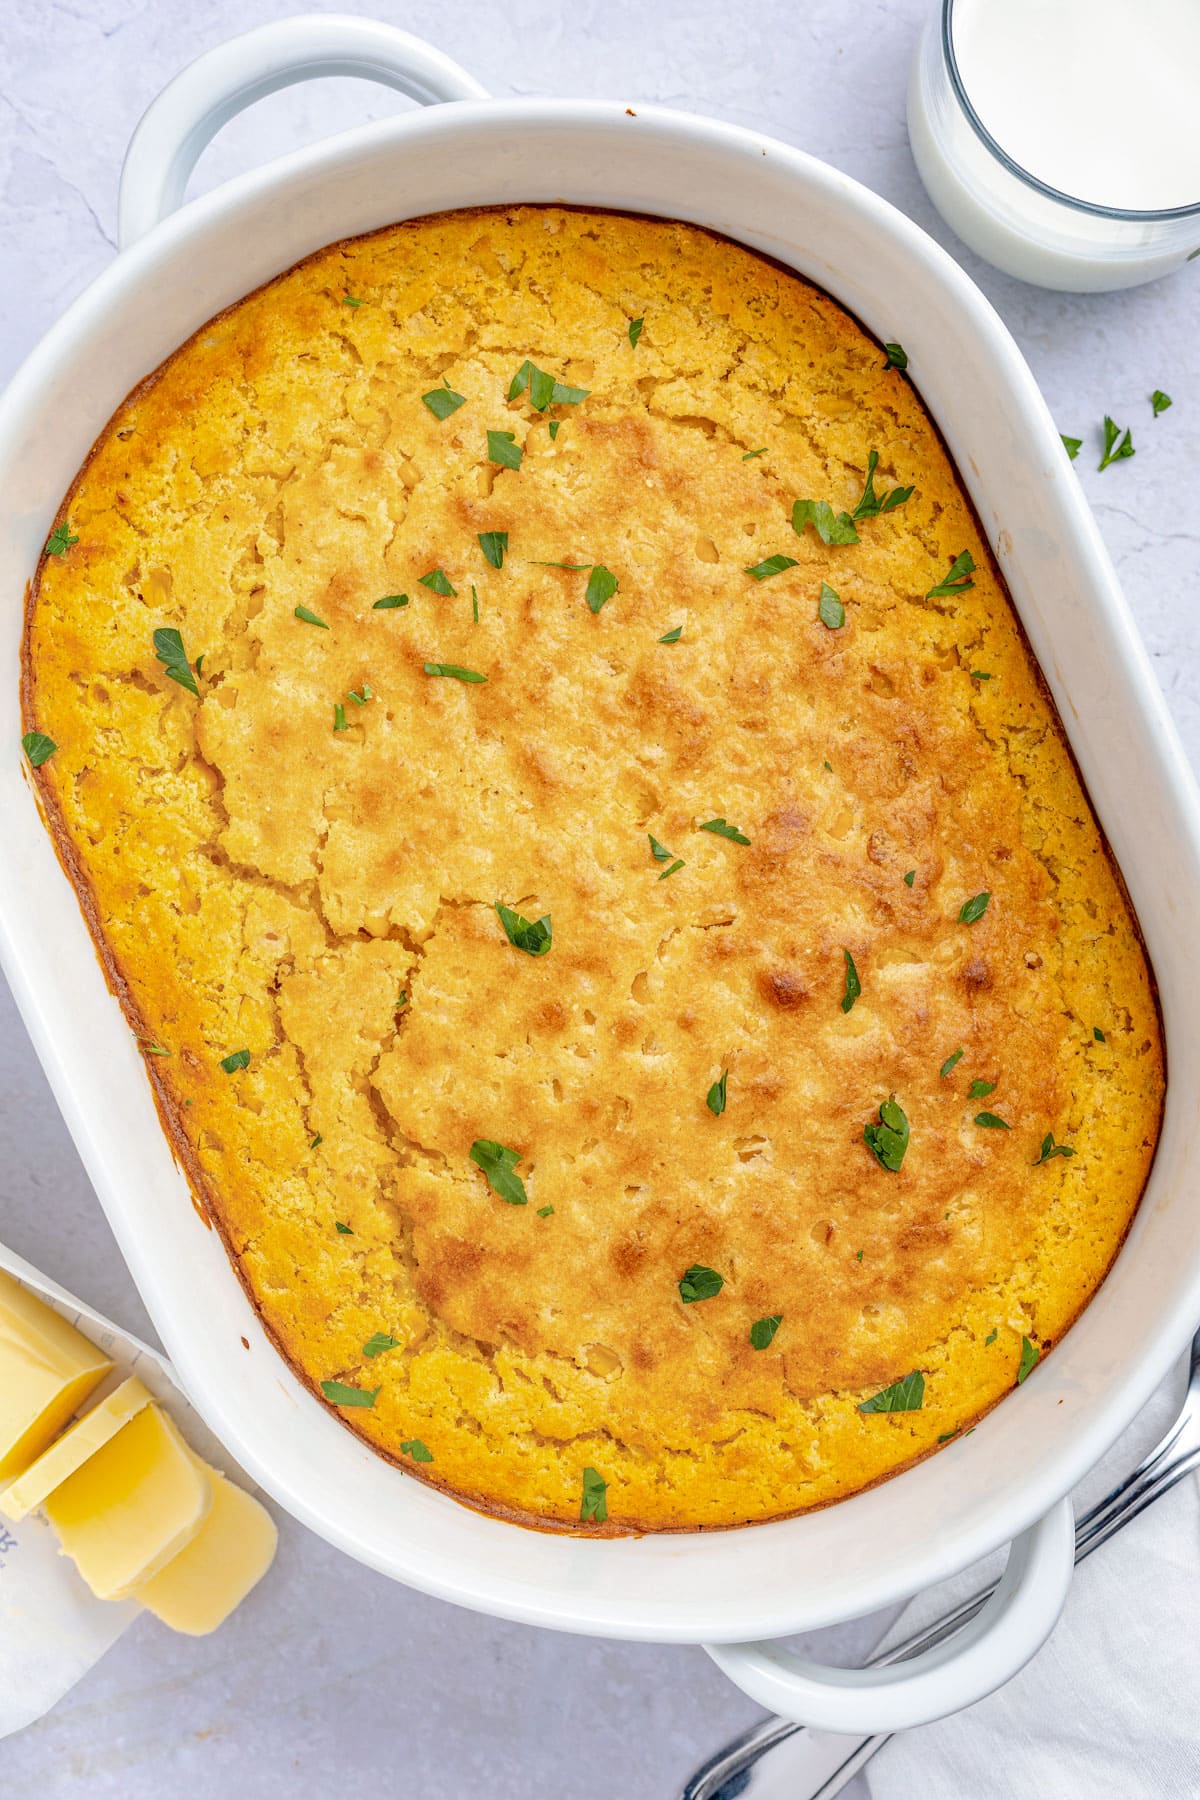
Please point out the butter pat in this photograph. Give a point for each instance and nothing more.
(232, 1550)
(47, 1369)
(132, 1506)
(76, 1446)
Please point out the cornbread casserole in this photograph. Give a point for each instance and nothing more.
(617, 936)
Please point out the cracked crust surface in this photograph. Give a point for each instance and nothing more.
(266, 881)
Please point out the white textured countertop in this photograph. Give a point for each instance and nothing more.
(331, 1680)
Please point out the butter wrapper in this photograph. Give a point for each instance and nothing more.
(52, 1627)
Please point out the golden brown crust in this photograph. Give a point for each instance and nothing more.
(254, 878)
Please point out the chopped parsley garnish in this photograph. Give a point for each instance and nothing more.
(401, 1000)
(60, 540)
(310, 618)
(594, 1506)
(474, 605)
(345, 1230)
(872, 503)
(700, 1283)
(378, 1342)
(1098, 1036)
(950, 1062)
(544, 390)
(992, 1121)
(498, 1164)
(494, 544)
(771, 565)
(453, 672)
(155, 1050)
(752, 453)
(830, 610)
(658, 851)
(339, 717)
(1071, 445)
(237, 1059)
(442, 401)
(38, 747)
(531, 935)
(971, 911)
(897, 356)
(763, 1330)
(888, 1140)
(903, 1396)
(554, 425)
(361, 698)
(438, 582)
(572, 568)
(416, 1449)
(945, 1436)
(672, 637)
(390, 602)
(349, 300)
(979, 1089)
(980, 675)
(342, 1395)
(910, 877)
(721, 828)
(504, 449)
(991, 1337)
(1029, 1359)
(957, 580)
(1160, 401)
(635, 331)
(674, 868)
(168, 647)
(1051, 1149)
(1116, 447)
(317, 1140)
(830, 527)
(543, 1212)
(602, 585)
(716, 1096)
(853, 984)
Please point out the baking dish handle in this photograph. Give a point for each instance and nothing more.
(985, 1653)
(193, 107)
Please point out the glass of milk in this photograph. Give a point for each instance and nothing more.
(1061, 138)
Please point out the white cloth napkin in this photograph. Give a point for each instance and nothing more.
(1109, 1709)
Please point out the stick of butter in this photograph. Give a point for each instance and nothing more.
(232, 1550)
(47, 1369)
(69, 1452)
(132, 1506)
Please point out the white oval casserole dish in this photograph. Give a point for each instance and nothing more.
(1011, 1475)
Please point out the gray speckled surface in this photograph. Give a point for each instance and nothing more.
(331, 1680)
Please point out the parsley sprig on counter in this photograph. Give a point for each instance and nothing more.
(1160, 401)
(498, 1164)
(1116, 447)
(1071, 445)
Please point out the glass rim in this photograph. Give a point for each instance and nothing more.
(1094, 208)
